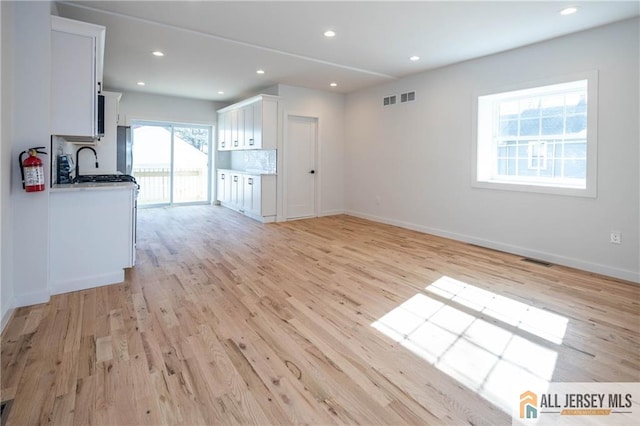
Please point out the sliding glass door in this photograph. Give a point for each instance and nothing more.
(171, 162)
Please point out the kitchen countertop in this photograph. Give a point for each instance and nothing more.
(92, 186)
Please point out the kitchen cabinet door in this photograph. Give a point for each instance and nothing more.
(224, 132)
(237, 128)
(265, 127)
(249, 137)
(76, 58)
(251, 197)
(257, 124)
(223, 187)
(236, 193)
(268, 197)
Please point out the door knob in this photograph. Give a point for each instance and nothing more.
(312, 171)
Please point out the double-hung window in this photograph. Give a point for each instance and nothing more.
(540, 138)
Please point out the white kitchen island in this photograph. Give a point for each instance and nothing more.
(92, 234)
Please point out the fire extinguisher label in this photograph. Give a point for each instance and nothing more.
(33, 176)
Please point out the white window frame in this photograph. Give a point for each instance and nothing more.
(482, 119)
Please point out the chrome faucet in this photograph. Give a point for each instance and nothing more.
(78, 155)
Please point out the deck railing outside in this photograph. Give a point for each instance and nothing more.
(190, 185)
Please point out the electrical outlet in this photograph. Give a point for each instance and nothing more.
(615, 237)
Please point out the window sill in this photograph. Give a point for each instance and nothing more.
(540, 189)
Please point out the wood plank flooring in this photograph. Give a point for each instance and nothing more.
(228, 321)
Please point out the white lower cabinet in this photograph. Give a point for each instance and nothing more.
(92, 235)
(223, 187)
(252, 195)
(236, 190)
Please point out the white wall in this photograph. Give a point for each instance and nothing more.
(143, 106)
(329, 108)
(410, 164)
(30, 85)
(6, 259)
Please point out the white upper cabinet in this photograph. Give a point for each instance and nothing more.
(77, 50)
(224, 132)
(249, 139)
(250, 124)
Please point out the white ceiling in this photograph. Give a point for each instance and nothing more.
(216, 46)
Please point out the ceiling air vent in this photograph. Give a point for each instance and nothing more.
(389, 100)
(408, 97)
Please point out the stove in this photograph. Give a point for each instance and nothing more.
(104, 178)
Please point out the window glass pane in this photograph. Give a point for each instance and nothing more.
(503, 166)
(509, 128)
(529, 127)
(509, 109)
(190, 164)
(575, 168)
(575, 150)
(523, 150)
(530, 108)
(524, 169)
(152, 162)
(576, 104)
(552, 105)
(558, 150)
(576, 123)
(548, 171)
(552, 125)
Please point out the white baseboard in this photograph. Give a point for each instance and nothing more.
(331, 213)
(86, 283)
(623, 274)
(8, 314)
(33, 298)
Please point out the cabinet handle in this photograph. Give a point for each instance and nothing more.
(251, 142)
(223, 144)
(235, 143)
(222, 176)
(235, 178)
(250, 181)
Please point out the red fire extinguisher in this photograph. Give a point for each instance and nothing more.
(32, 170)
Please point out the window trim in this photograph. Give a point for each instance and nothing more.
(480, 124)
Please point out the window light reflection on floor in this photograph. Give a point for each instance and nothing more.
(485, 341)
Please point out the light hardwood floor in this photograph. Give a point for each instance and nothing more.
(331, 320)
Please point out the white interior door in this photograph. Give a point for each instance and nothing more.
(300, 159)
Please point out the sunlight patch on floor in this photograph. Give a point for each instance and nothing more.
(485, 341)
(545, 324)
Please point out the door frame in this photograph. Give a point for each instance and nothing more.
(210, 159)
(285, 159)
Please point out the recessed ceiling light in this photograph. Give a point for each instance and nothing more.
(414, 58)
(260, 71)
(329, 33)
(333, 84)
(157, 53)
(140, 83)
(220, 92)
(568, 11)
